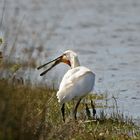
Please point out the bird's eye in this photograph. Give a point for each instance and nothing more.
(64, 56)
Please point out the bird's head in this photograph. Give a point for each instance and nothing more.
(68, 57)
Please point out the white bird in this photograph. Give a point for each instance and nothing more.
(76, 83)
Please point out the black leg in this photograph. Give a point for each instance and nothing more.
(93, 109)
(88, 112)
(63, 112)
(75, 109)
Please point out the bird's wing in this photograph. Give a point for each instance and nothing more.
(72, 75)
(76, 82)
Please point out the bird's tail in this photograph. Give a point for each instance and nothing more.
(58, 97)
(61, 97)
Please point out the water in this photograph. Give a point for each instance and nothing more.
(105, 34)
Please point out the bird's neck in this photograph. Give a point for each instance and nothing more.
(75, 63)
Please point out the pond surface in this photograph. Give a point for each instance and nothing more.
(105, 34)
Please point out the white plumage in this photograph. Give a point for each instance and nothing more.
(76, 83)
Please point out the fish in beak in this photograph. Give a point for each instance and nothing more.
(54, 62)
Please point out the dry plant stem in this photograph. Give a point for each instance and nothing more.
(2, 15)
(16, 38)
(116, 104)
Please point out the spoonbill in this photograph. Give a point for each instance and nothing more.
(76, 83)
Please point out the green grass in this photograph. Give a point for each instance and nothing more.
(33, 113)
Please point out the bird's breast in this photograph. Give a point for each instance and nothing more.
(76, 82)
